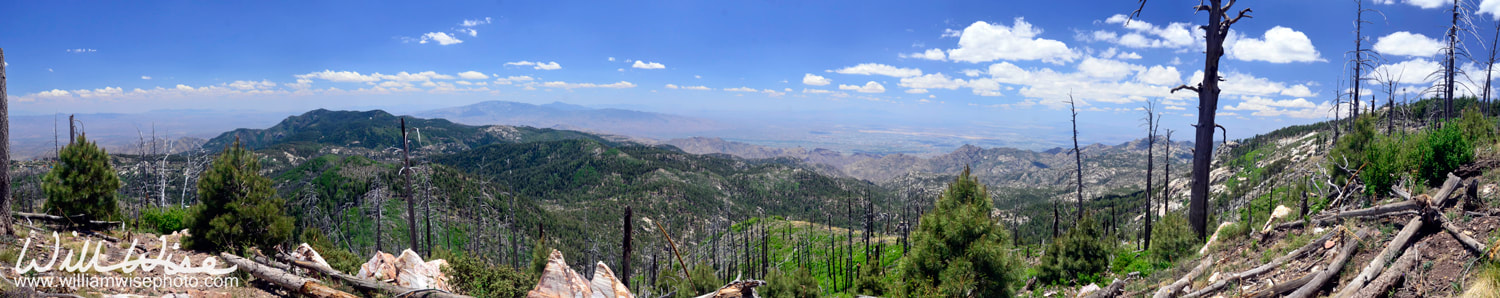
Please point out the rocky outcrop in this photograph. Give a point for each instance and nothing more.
(407, 270)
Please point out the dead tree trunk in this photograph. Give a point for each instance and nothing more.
(1215, 32)
(411, 204)
(301, 285)
(1450, 68)
(625, 248)
(1388, 279)
(1176, 286)
(1376, 265)
(5, 223)
(1151, 124)
(1077, 157)
(1316, 284)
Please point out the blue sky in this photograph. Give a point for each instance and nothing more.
(999, 65)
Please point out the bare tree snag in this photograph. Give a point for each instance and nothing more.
(411, 204)
(625, 248)
(1176, 286)
(664, 234)
(5, 223)
(1077, 157)
(1389, 278)
(1378, 264)
(1151, 124)
(1214, 33)
(302, 285)
(1345, 253)
(1262, 269)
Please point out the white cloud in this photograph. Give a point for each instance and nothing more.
(1237, 83)
(1278, 45)
(1159, 75)
(1414, 71)
(916, 91)
(1129, 56)
(53, 93)
(251, 85)
(472, 75)
(476, 22)
(1146, 35)
(561, 84)
(1264, 107)
(611, 59)
(815, 80)
(741, 89)
(816, 91)
(411, 77)
(1106, 69)
(1428, 4)
(674, 86)
(930, 54)
(773, 93)
(930, 81)
(441, 38)
(879, 69)
(536, 65)
(81, 50)
(870, 87)
(513, 80)
(647, 65)
(340, 76)
(145, 77)
(984, 42)
(1491, 7)
(1404, 43)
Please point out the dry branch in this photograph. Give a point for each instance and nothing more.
(1262, 269)
(1382, 210)
(1288, 286)
(1376, 265)
(1389, 278)
(1172, 289)
(302, 285)
(78, 220)
(1316, 284)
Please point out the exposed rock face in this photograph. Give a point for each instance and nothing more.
(407, 270)
(606, 285)
(559, 281)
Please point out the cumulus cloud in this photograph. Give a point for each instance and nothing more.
(674, 86)
(1160, 75)
(1427, 4)
(1404, 43)
(816, 91)
(251, 85)
(1277, 45)
(929, 54)
(741, 89)
(566, 85)
(1265, 107)
(441, 38)
(145, 77)
(985, 42)
(1491, 7)
(1145, 35)
(536, 65)
(513, 80)
(879, 69)
(1414, 71)
(647, 65)
(81, 50)
(472, 75)
(870, 87)
(815, 80)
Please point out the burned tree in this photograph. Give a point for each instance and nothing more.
(411, 205)
(1077, 157)
(5, 225)
(1152, 122)
(1214, 33)
(1360, 61)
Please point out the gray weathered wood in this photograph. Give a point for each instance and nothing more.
(1262, 269)
(1388, 279)
(1171, 290)
(1391, 251)
(1316, 284)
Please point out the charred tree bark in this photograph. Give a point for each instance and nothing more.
(1077, 157)
(625, 248)
(1151, 124)
(5, 223)
(1450, 67)
(1215, 32)
(411, 205)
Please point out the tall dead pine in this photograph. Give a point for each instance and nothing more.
(1217, 29)
(5, 220)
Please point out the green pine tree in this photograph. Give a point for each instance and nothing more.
(82, 182)
(958, 250)
(239, 208)
(1078, 256)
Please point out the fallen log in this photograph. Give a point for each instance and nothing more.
(77, 220)
(1470, 243)
(1284, 287)
(1388, 279)
(1110, 291)
(1316, 284)
(1444, 197)
(1391, 251)
(299, 284)
(1262, 269)
(365, 284)
(1382, 210)
(1172, 289)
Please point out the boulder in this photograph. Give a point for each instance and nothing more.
(407, 270)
